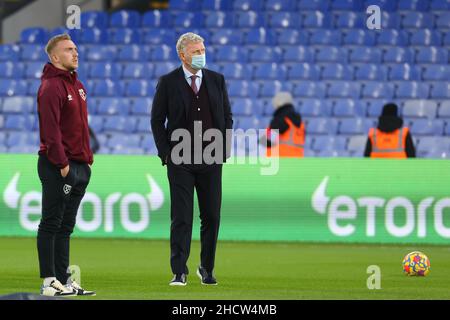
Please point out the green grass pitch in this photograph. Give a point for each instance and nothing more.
(139, 269)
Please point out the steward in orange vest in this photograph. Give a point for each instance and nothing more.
(390, 139)
(291, 129)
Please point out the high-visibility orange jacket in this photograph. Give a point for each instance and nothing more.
(388, 144)
(290, 143)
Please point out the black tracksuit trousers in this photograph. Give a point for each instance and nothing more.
(61, 198)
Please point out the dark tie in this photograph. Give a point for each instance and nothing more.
(193, 85)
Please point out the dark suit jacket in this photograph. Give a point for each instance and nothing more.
(172, 103)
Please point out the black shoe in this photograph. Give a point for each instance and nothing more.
(178, 280)
(206, 277)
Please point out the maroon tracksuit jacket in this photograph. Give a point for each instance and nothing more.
(63, 118)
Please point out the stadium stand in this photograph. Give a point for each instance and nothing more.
(340, 72)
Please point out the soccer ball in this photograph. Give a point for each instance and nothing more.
(416, 264)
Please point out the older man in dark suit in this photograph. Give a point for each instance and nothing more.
(193, 100)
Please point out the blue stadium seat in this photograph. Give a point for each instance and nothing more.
(359, 37)
(156, 19)
(432, 147)
(157, 36)
(431, 55)
(94, 19)
(365, 54)
(216, 5)
(10, 69)
(246, 5)
(298, 53)
(291, 37)
(96, 123)
(187, 19)
(33, 52)
(355, 125)
(285, 20)
(321, 126)
(10, 87)
(141, 106)
(133, 53)
(425, 37)
(322, 143)
(233, 70)
(418, 20)
(218, 19)
(164, 53)
(440, 90)
(117, 140)
(9, 52)
(310, 107)
(440, 5)
(303, 71)
(269, 88)
(392, 37)
(94, 36)
(404, 71)
(148, 143)
(124, 36)
(33, 87)
(140, 88)
(260, 36)
(350, 5)
(348, 108)
(102, 53)
(163, 68)
(265, 54)
(343, 89)
(420, 109)
(125, 19)
(374, 107)
(398, 55)
(280, 5)
(34, 35)
(390, 20)
(325, 37)
(413, 5)
(232, 53)
(315, 19)
(436, 72)
(113, 106)
(103, 70)
(226, 37)
(119, 124)
(239, 88)
(336, 71)
(349, 19)
(371, 71)
(18, 122)
(412, 89)
(385, 5)
(22, 139)
(133, 70)
(444, 110)
(378, 90)
(248, 19)
(18, 104)
(357, 145)
(268, 70)
(107, 88)
(143, 125)
(184, 5)
(309, 89)
(242, 107)
(331, 54)
(426, 127)
(443, 21)
(320, 5)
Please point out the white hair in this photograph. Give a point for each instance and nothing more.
(187, 38)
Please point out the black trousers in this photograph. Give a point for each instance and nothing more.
(207, 181)
(61, 199)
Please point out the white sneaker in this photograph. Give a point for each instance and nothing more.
(73, 285)
(56, 289)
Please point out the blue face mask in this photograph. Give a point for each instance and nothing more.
(199, 61)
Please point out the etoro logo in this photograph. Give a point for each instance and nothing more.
(342, 211)
(29, 206)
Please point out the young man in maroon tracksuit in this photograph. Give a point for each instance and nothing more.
(64, 164)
